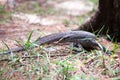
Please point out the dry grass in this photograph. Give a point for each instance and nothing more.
(37, 64)
(61, 64)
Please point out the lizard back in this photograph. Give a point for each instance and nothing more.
(57, 36)
(68, 37)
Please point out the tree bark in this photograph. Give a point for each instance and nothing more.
(107, 17)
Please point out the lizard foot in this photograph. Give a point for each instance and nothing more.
(76, 47)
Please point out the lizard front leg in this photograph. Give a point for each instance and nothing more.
(76, 47)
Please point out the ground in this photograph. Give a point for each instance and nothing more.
(59, 62)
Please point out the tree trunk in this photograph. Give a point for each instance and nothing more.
(106, 17)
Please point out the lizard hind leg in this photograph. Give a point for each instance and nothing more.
(76, 47)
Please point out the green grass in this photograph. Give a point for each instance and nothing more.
(38, 64)
(34, 8)
(94, 1)
(5, 15)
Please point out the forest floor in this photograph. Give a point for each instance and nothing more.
(44, 17)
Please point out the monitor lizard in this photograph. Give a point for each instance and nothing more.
(86, 39)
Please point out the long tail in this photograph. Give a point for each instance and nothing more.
(13, 50)
(40, 41)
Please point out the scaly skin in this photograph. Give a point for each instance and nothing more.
(85, 39)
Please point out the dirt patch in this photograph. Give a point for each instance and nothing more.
(28, 64)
